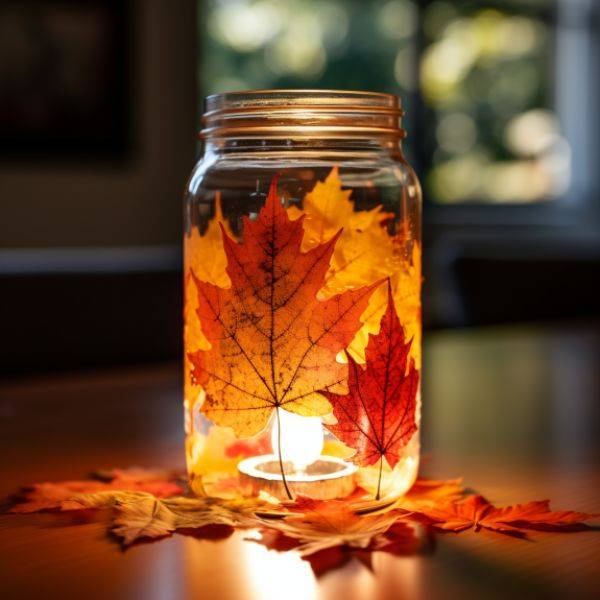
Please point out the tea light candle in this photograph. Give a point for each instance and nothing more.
(307, 471)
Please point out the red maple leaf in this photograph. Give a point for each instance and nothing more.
(250, 447)
(377, 416)
(477, 513)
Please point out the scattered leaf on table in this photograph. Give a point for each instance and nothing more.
(328, 533)
(477, 513)
(142, 516)
(321, 561)
(139, 476)
(537, 515)
(274, 344)
(51, 496)
(377, 416)
(427, 492)
(150, 517)
(319, 524)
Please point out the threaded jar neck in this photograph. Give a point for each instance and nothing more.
(301, 114)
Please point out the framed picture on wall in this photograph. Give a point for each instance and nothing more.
(64, 73)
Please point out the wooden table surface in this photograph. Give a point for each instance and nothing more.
(513, 410)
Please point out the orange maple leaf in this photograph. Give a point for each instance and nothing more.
(52, 496)
(477, 513)
(273, 343)
(425, 492)
(318, 524)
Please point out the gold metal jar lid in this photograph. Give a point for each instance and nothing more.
(302, 113)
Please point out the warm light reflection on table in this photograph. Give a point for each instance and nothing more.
(512, 410)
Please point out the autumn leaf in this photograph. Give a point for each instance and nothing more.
(206, 452)
(477, 513)
(320, 524)
(144, 516)
(364, 253)
(314, 519)
(391, 482)
(328, 209)
(273, 343)
(399, 540)
(407, 297)
(219, 450)
(54, 496)
(329, 533)
(377, 416)
(138, 477)
(428, 492)
(141, 516)
(212, 459)
(204, 253)
(149, 517)
(536, 515)
(205, 256)
(333, 447)
(394, 482)
(261, 444)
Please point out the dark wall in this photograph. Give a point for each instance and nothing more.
(89, 235)
(130, 196)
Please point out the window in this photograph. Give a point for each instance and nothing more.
(493, 134)
(499, 94)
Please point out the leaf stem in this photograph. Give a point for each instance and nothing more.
(379, 480)
(285, 484)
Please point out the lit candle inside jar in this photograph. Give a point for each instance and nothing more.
(307, 471)
(302, 442)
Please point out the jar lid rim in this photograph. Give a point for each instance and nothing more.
(289, 98)
(300, 109)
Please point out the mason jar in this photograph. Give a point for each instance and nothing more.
(302, 266)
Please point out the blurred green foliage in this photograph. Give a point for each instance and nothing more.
(475, 78)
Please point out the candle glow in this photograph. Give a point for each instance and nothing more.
(301, 439)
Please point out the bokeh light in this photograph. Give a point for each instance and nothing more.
(397, 19)
(482, 73)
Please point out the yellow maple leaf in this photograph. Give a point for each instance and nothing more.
(407, 297)
(364, 253)
(206, 453)
(205, 256)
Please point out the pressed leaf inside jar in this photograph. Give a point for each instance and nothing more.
(303, 301)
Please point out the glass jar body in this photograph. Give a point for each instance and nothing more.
(358, 204)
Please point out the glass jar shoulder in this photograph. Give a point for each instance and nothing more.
(370, 180)
(384, 168)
